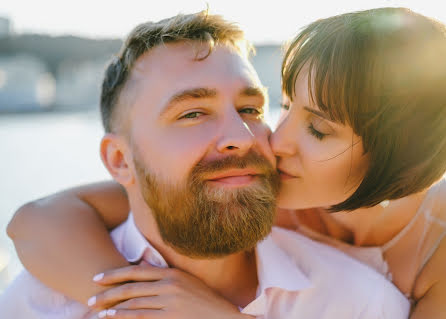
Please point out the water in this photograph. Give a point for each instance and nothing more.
(42, 153)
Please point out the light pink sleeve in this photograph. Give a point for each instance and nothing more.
(27, 298)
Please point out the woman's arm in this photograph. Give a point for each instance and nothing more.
(432, 304)
(430, 287)
(63, 239)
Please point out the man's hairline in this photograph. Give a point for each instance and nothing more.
(123, 128)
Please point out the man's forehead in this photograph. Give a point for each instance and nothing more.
(171, 58)
(172, 68)
(167, 52)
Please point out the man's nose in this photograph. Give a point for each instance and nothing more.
(235, 136)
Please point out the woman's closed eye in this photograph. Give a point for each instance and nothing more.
(316, 133)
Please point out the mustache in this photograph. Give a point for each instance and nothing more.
(251, 159)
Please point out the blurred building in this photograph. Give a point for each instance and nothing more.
(25, 84)
(62, 72)
(42, 71)
(5, 27)
(267, 62)
(78, 84)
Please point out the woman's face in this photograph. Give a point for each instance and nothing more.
(321, 162)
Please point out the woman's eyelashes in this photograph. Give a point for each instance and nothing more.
(313, 131)
(310, 127)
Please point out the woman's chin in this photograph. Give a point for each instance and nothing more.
(292, 196)
(290, 202)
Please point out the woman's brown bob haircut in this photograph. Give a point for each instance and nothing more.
(382, 72)
(201, 27)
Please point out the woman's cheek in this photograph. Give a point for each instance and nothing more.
(313, 149)
(327, 169)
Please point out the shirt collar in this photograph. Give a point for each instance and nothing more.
(136, 247)
(275, 268)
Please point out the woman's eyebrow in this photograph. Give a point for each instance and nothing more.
(318, 113)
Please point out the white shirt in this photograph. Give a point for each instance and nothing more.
(298, 278)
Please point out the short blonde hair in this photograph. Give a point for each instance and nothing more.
(202, 27)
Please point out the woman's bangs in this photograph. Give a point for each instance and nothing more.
(327, 77)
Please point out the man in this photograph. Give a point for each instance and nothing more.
(183, 112)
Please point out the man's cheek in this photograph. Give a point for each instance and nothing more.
(262, 132)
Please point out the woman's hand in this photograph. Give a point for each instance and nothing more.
(145, 291)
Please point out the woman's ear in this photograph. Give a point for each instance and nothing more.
(114, 153)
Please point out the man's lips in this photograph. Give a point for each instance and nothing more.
(235, 177)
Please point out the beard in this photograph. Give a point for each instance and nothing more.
(199, 220)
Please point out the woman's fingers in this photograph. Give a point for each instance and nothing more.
(132, 314)
(143, 272)
(126, 291)
(91, 315)
(153, 302)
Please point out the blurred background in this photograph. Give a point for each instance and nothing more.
(52, 55)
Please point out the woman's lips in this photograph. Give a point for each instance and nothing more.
(285, 176)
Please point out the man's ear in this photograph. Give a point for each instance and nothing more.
(114, 154)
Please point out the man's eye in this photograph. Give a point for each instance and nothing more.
(191, 115)
(250, 110)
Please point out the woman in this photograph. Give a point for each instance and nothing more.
(363, 123)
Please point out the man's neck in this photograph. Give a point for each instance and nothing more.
(233, 276)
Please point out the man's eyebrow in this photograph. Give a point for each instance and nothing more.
(195, 93)
(318, 113)
(255, 91)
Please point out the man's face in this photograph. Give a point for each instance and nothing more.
(200, 148)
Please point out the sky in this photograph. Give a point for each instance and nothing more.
(271, 21)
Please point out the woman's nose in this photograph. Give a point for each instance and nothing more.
(283, 140)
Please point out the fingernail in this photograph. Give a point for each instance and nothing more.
(98, 277)
(111, 312)
(91, 301)
(102, 314)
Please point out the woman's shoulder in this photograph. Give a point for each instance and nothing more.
(432, 274)
(431, 277)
